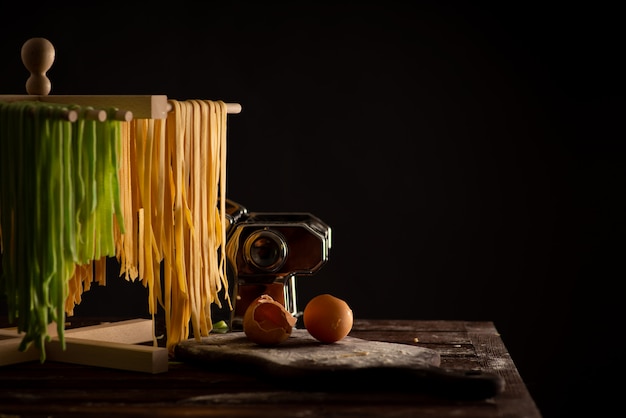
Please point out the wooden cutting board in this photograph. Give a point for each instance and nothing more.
(301, 362)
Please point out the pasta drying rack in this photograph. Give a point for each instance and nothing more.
(116, 345)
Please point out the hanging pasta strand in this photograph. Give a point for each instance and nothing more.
(223, 280)
(202, 210)
(158, 214)
(180, 307)
(126, 244)
(196, 262)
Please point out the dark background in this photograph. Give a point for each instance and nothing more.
(466, 155)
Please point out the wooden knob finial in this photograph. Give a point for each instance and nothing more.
(38, 57)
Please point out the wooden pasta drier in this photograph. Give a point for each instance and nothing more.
(117, 345)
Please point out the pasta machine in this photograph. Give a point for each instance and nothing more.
(267, 251)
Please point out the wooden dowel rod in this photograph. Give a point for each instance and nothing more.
(231, 108)
(124, 115)
(96, 114)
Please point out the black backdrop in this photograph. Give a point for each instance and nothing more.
(466, 156)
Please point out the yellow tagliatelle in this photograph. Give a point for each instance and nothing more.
(176, 188)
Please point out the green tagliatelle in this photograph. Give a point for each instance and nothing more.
(59, 196)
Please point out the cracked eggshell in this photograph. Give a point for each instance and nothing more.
(267, 322)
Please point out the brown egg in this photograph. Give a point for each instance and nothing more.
(328, 318)
(267, 322)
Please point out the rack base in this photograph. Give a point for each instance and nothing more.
(111, 345)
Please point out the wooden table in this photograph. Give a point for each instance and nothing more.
(52, 389)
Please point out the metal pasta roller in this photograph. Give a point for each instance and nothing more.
(266, 251)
